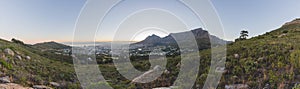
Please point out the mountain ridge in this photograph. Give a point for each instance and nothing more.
(202, 37)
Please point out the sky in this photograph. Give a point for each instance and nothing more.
(36, 21)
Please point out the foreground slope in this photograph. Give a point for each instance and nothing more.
(271, 60)
(23, 65)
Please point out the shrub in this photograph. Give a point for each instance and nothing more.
(285, 31)
(296, 86)
(5, 64)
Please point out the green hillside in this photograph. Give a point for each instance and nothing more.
(51, 46)
(23, 65)
(270, 61)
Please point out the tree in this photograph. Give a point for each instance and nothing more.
(243, 36)
(17, 41)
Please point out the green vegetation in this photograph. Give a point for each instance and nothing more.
(5, 64)
(50, 46)
(243, 35)
(32, 68)
(269, 60)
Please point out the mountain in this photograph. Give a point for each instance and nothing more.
(51, 46)
(202, 38)
(25, 65)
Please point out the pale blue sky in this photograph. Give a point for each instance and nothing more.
(44, 20)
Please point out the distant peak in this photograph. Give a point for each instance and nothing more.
(198, 29)
(153, 35)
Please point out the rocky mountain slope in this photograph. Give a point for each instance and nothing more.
(25, 65)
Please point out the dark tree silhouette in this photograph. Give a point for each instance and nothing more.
(17, 41)
(243, 35)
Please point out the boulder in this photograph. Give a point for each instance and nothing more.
(282, 35)
(2, 55)
(12, 86)
(149, 76)
(166, 72)
(19, 57)
(171, 87)
(40, 87)
(28, 57)
(237, 86)
(17, 52)
(178, 65)
(9, 52)
(236, 56)
(6, 59)
(55, 84)
(5, 79)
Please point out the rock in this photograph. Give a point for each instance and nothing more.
(162, 88)
(166, 72)
(220, 69)
(178, 65)
(6, 59)
(282, 35)
(19, 57)
(28, 57)
(40, 87)
(2, 55)
(5, 79)
(55, 84)
(171, 87)
(9, 52)
(149, 76)
(17, 52)
(236, 56)
(237, 86)
(12, 86)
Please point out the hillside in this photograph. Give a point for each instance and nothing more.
(21, 64)
(269, 61)
(51, 46)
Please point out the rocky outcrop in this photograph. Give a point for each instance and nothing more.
(149, 75)
(8, 51)
(54, 84)
(28, 57)
(5, 79)
(40, 87)
(13, 86)
(236, 56)
(2, 55)
(19, 57)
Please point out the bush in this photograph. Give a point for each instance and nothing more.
(5, 64)
(285, 31)
(296, 86)
(17, 41)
